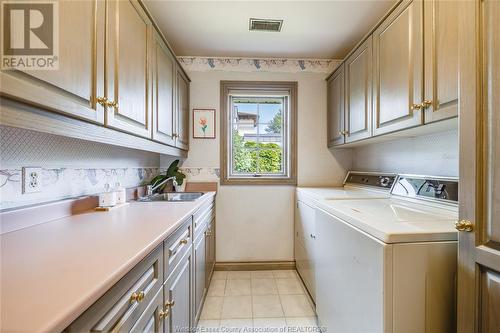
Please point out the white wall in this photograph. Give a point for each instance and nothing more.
(434, 154)
(255, 223)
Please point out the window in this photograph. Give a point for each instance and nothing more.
(258, 129)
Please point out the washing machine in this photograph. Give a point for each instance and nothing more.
(389, 264)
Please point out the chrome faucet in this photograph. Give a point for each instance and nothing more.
(150, 189)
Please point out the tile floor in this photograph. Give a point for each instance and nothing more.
(257, 301)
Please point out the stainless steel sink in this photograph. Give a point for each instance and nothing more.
(172, 196)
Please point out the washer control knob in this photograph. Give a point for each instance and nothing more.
(384, 181)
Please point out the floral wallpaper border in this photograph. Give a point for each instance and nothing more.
(63, 183)
(258, 64)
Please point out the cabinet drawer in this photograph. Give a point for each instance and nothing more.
(120, 308)
(176, 246)
(150, 320)
(201, 222)
(202, 211)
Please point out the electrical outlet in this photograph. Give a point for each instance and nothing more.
(32, 180)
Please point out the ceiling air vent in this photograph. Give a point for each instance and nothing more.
(265, 25)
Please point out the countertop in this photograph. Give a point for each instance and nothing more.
(52, 272)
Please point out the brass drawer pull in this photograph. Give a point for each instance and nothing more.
(170, 304)
(102, 100)
(113, 104)
(137, 297)
(183, 241)
(416, 107)
(164, 314)
(426, 103)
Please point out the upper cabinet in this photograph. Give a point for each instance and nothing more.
(403, 75)
(358, 93)
(163, 81)
(75, 86)
(182, 111)
(118, 75)
(440, 59)
(397, 45)
(335, 108)
(127, 92)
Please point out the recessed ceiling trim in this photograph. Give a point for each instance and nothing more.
(267, 25)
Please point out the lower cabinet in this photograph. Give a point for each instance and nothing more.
(305, 239)
(122, 307)
(200, 271)
(152, 318)
(164, 293)
(210, 252)
(177, 297)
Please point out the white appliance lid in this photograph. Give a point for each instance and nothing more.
(395, 220)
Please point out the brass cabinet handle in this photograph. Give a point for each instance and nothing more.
(137, 297)
(170, 304)
(183, 241)
(113, 104)
(164, 314)
(102, 100)
(426, 103)
(464, 225)
(416, 107)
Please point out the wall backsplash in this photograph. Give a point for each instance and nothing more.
(434, 154)
(71, 167)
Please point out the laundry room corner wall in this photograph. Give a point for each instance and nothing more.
(255, 222)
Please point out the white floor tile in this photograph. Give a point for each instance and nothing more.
(269, 325)
(296, 306)
(217, 288)
(238, 287)
(268, 306)
(264, 287)
(290, 286)
(285, 274)
(208, 326)
(262, 274)
(302, 324)
(236, 325)
(238, 275)
(212, 308)
(237, 307)
(219, 275)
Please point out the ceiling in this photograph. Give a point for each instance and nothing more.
(311, 29)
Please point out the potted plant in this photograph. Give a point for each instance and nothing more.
(173, 170)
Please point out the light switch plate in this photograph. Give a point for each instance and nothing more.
(32, 179)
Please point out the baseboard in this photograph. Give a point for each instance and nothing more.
(254, 265)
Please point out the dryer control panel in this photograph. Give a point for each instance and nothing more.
(378, 180)
(435, 188)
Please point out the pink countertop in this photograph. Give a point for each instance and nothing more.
(52, 272)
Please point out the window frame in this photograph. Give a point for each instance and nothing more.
(225, 142)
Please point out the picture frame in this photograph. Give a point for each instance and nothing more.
(204, 124)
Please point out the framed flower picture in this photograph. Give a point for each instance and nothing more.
(204, 123)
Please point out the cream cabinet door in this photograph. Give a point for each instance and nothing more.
(358, 93)
(440, 59)
(182, 114)
(128, 39)
(73, 88)
(479, 200)
(163, 65)
(335, 109)
(397, 48)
